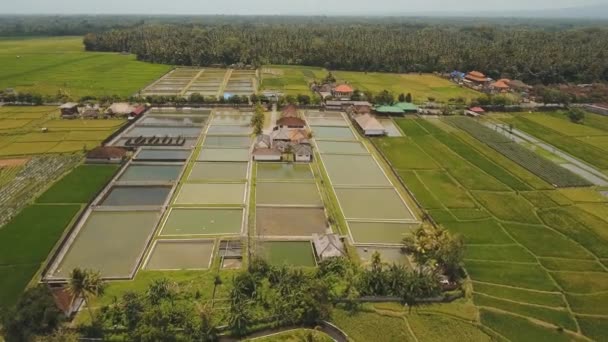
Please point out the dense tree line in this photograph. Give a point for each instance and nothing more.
(535, 55)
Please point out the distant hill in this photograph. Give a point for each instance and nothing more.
(595, 12)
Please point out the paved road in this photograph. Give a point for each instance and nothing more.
(576, 166)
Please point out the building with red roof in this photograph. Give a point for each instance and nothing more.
(343, 91)
(477, 77)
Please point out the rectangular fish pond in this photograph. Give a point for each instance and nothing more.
(333, 133)
(290, 253)
(170, 255)
(109, 242)
(202, 171)
(227, 141)
(283, 171)
(283, 221)
(232, 119)
(224, 154)
(341, 147)
(151, 173)
(354, 170)
(174, 120)
(207, 193)
(203, 221)
(150, 154)
(229, 130)
(372, 204)
(388, 254)
(124, 196)
(294, 194)
(380, 232)
(341, 122)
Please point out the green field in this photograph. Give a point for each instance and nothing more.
(61, 136)
(290, 79)
(25, 243)
(526, 242)
(49, 65)
(421, 86)
(80, 185)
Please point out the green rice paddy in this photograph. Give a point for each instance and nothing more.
(379, 232)
(332, 133)
(341, 147)
(284, 221)
(354, 170)
(372, 204)
(224, 154)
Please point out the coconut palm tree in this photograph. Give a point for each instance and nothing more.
(86, 284)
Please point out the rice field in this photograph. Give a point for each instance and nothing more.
(50, 65)
(520, 245)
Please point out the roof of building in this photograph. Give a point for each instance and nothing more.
(328, 245)
(368, 122)
(68, 105)
(477, 110)
(389, 109)
(500, 85)
(291, 121)
(139, 110)
(476, 76)
(302, 149)
(347, 103)
(121, 108)
(65, 301)
(263, 141)
(106, 152)
(266, 152)
(280, 134)
(291, 110)
(344, 88)
(298, 135)
(406, 106)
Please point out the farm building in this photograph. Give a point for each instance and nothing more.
(342, 105)
(290, 111)
(477, 78)
(500, 86)
(343, 91)
(120, 109)
(407, 107)
(91, 112)
(266, 154)
(387, 110)
(280, 134)
(369, 125)
(302, 152)
(106, 155)
(291, 123)
(328, 246)
(69, 110)
(65, 301)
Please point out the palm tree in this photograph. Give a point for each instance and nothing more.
(86, 284)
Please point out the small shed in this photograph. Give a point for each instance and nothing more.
(69, 110)
(302, 152)
(106, 155)
(370, 125)
(328, 246)
(477, 110)
(267, 154)
(65, 301)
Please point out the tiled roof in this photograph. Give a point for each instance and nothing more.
(291, 121)
(367, 121)
(344, 88)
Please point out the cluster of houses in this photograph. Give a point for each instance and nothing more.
(333, 90)
(288, 137)
(72, 110)
(478, 81)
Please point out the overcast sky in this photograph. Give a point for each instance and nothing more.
(245, 7)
